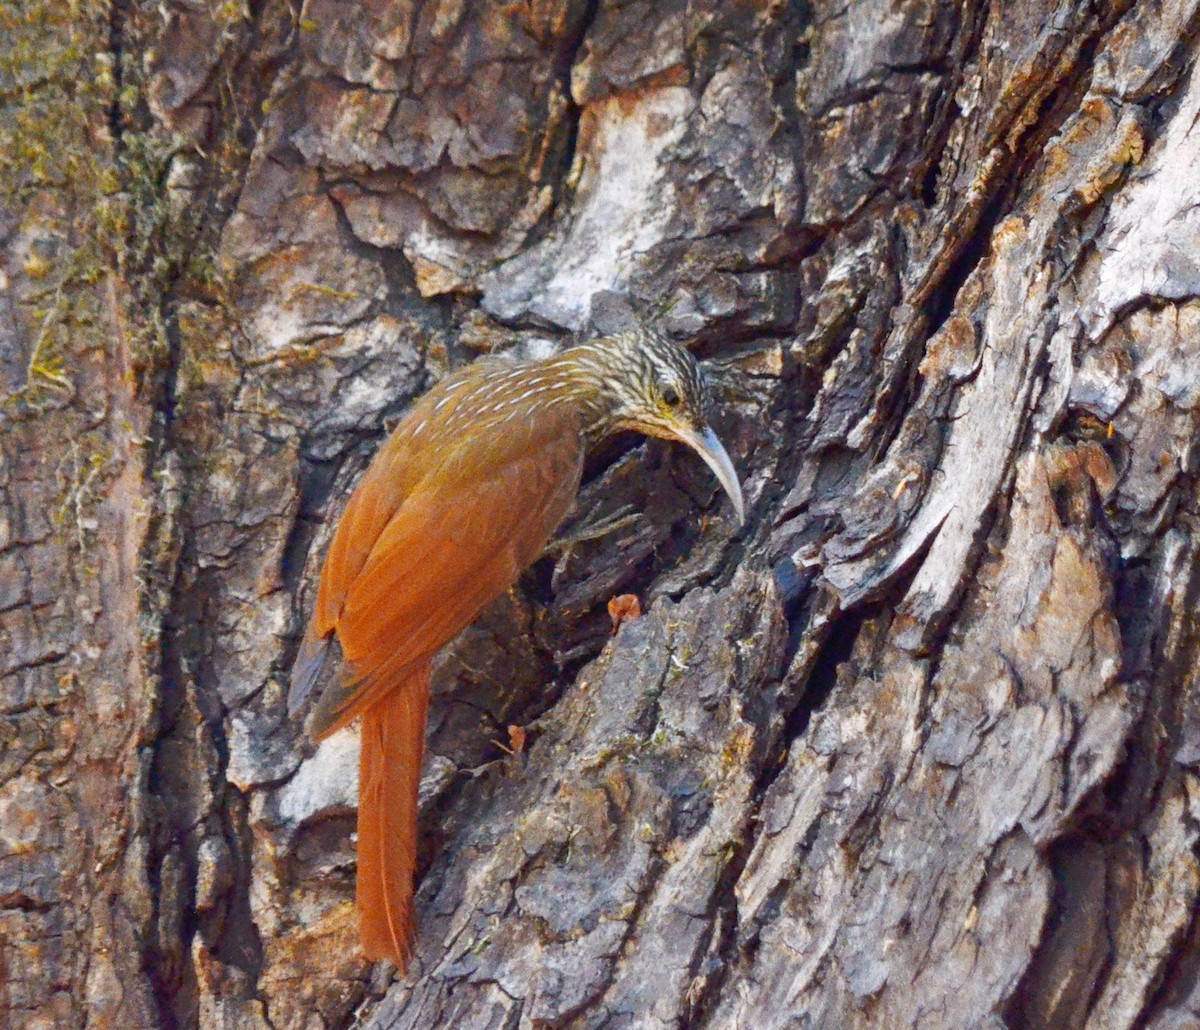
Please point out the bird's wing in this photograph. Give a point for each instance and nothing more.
(374, 501)
(391, 477)
(461, 537)
(384, 487)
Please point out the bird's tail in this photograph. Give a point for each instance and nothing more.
(393, 741)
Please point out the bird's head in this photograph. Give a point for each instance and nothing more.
(654, 386)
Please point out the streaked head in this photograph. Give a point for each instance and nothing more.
(651, 384)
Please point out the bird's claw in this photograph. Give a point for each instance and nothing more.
(590, 528)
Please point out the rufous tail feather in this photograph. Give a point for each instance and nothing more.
(393, 741)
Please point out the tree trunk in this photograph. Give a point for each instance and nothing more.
(919, 747)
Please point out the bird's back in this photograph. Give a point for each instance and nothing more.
(458, 501)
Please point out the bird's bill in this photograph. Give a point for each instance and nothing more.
(705, 443)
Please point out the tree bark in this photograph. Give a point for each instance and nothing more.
(918, 747)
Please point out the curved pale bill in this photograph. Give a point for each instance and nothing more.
(706, 444)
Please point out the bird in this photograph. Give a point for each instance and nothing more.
(463, 496)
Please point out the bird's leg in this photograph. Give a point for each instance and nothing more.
(592, 528)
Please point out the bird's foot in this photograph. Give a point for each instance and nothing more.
(591, 528)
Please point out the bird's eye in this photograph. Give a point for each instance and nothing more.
(670, 396)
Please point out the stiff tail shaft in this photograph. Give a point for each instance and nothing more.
(393, 741)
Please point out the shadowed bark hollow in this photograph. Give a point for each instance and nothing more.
(919, 747)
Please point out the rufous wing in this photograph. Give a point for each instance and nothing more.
(461, 537)
(379, 494)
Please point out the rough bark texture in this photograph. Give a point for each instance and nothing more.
(918, 748)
